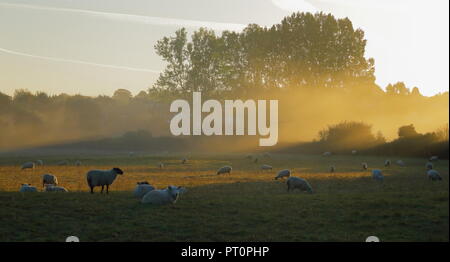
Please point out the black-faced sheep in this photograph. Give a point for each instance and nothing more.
(387, 163)
(49, 179)
(429, 165)
(283, 173)
(433, 175)
(224, 170)
(365, 166)
(102, 178)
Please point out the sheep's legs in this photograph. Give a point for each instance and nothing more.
(107, 189)
(92, 190)
(102, 189)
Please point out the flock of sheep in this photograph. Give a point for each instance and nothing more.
(150, 195)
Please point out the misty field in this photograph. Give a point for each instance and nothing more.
(248, 205)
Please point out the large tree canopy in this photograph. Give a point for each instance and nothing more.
(304, 50)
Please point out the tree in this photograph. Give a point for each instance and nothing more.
(122, 95)
(407, 131)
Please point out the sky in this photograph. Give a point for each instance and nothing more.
(93, 47)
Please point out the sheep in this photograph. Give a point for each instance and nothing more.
(326, 154)
(49, 179)
(434, 158)
(332, 169)
(102, 178)
(39, 162)
(53, 188)
(354, 152)
(163, 197)
(63, 163)
(224, 170)
(27, 188)
(142, 188)
(377, 175)
(28, 165)
(183, 161)
(266, 167)
(299, 183)
(400, 163)
(429, 165)
(433, 175)
(364, 165)
(283, 173)
(387, 163)
(78, 163)
(161, 165)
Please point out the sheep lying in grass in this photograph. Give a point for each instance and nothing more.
(354, 152)
(429, 165)
(365, 166)
(283, 173)
(28, 165)
(400, 163)
(224, 170)
(387, 163)
(27, 188)
(266, 167)
(433, 175)
(142, 188)
(39, 162)
(326, 154)
(102, 178)
(434, 158)
(299, 183)
(49, 179)
(164, 196)
(53, 188)
(377, 175)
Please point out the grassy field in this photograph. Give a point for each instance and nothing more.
(247, 205)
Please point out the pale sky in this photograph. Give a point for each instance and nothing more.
(94, 47)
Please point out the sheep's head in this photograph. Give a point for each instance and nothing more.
(118, 171)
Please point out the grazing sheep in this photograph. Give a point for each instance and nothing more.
(163, 197)
(299, 183)
(63, 163)
(39, 162)
(387, 163)
(434, 158)
(364, 165)
(27, 188)
(142, 188)
(53, 188)
(429, 165)
(326, 154)
(332, 169)
(183, 161)
(283, 173)
(266, 167)
(224, 170)
(78, 163)
(400, 163)
(28, 165)
(161, 165)
(433, 175)
(354, 152)
(102, 178)
(377, 175)
(49, 179)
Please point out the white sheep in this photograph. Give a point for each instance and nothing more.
(433, 175)
(429, 165)
(294, 182)
(102, 178)
(354, 152)
(39, 162)
(377, 175)
(164, 196)
(332, 169)
(224, 170)
(266, 167)
(142, 188)
(49, 179)
(326, 154)
(27, 188)
(53, 188)
(364, 165)
(434, 158)
(28, 165)
(283, 173)
(400, 163)
(387, 163)
(161, 165)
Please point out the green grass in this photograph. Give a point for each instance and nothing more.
(248, 205)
